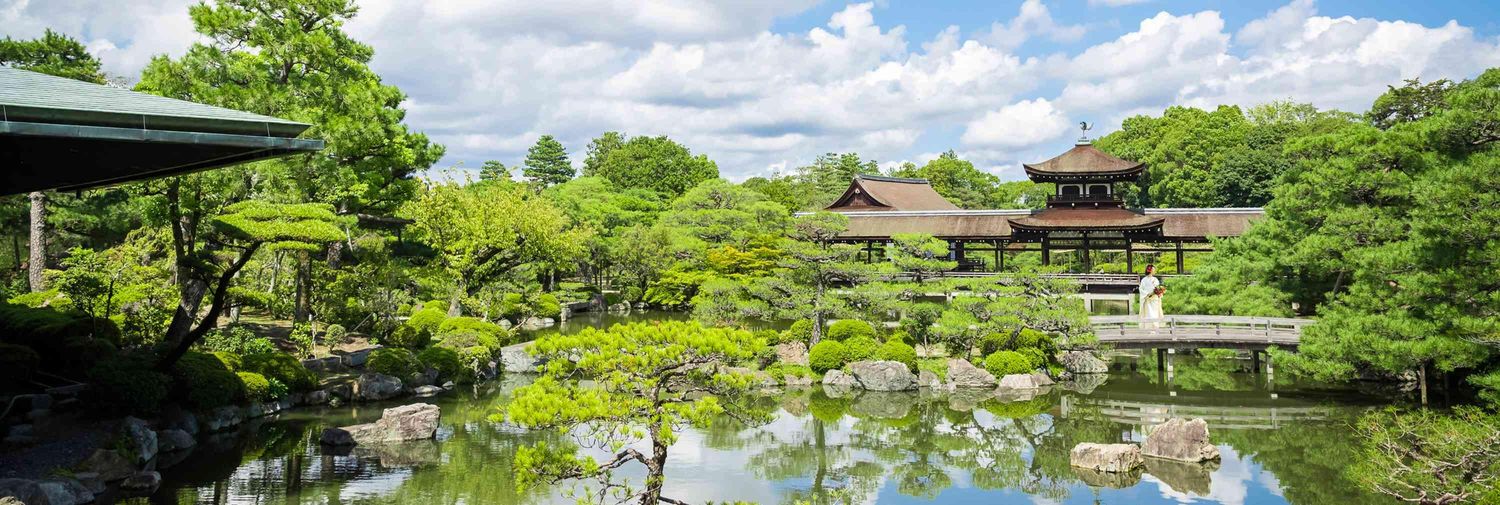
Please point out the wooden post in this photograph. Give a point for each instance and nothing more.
(1255, 362)
(1422, 378)
(998, 260)
(1087, 262)
(1001, 253)
(1129, 257)
(1179, 258)
(1046, 254)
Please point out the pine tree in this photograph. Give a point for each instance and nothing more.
(547, 162)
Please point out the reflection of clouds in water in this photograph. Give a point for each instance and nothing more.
(372, 486)
(1228, 484)
(1273, 484)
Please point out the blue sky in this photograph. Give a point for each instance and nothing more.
(763, 87)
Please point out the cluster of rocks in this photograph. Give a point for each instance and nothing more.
(1176, 440)
(894, 376)
(418, 421)
(129, 461)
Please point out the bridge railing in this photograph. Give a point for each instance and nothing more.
(1272, 330)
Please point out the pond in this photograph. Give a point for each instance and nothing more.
(1282, 441)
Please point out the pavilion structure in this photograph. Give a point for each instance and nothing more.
(1086, 215)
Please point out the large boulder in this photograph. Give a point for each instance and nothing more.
(796, 381)
(929, 380)
(837, 378)
(23, 491)
(137, 438)
(108, 464)
(1082, 362)
(417, 421)
(792, 353)
(62, 491)
(517, 359)
(883, 375)
(221, 419)
(1021, 381)
(1106, 457)
(374, 386)
(1180, 440)
(178, 418)
(963, 374)
(1041, 379)
(171, 440)
(336, 437)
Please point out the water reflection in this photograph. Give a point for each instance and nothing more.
(834, 446)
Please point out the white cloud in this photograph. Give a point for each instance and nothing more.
(1034, 19)
(1020, 124)
(124, 35)
(1116, 3)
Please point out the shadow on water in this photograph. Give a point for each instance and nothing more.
(841, 446)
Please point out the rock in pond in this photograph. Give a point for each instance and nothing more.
(221, 418)
(837, 378)
(425, 391)
(1082, 362)
(109, 465)
(929, 380)
(143, 482)
(792, 353)
(374, 386)
(171, 440)
(1021, 381)
(136, 436)
(22, 491)
(963, 374)
(336, 437)
(517, 359)
(796, 381)
(1180, 440)
(417, 421)
(1106, 457)
(883, 375)
(61, 491)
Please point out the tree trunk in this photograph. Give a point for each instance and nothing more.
(655, 470)
(1422, 379)
(303, 306)
(37, 262)
(211, 319)
(455, 302)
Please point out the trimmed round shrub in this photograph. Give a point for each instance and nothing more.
(801, 331)
(547, 305)
(473, 359)
(409, 337)
(257, 388)
(1034, 356)
(772, 337)
(849, 328)
(860, 348)
(827, 355)
(282, 367)
(230, 360)
(399, 363)
(463, 339)
(900, 336)
(427, 320)
(17, 363)
(127, 384)
(1002, 363)
(204, 382)
(498, 335)
(898, 351)
(990, 343)
(781, 371)
(446, 361)
(438, 305)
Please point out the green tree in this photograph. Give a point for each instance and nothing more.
(494, 171)
(595, 204)
(598, 151)
(791, 192)
(1410, 102)
(719, 212)
(655, 163)
(52, 54)
(1430, 458)
(547, 162)
(483, 231)
(920, 255)
(651, 380)
(830, 174)
(1009, 304)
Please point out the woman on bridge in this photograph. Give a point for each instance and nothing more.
(1151, 292)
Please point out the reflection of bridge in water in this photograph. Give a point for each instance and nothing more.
(1238, 417)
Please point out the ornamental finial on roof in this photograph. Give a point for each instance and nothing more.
(1085, 126)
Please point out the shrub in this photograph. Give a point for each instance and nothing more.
(62, 341)
(772, 337)
(468, 338)
(1002, 363)
(860, 348)
(781, 371)
(849, 328)
(900, 336)
(800, 331)
(399, 363)
(990, 343)
(409, 337)
(438, 305)
(512, 306)
(446, 361)
(474, 359)
(235, 339)
(334, 335)
(633, 294)
(1034, 356)
(497, 335)
(230, 360)
(127, 384)
(204, 382)
(278, 388)
(17, 363)
(257, 388)
(828, 355)
(427, 320)
(547, 305)
(900, 352)
(281, 367)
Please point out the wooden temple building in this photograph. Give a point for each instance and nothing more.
(1086, 215)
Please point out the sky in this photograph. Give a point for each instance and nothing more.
(763, 87)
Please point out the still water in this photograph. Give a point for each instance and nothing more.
(1282, 441)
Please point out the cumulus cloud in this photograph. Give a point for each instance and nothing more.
(1020, 124)
(486, 78)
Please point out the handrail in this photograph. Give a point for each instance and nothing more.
(1200, 328)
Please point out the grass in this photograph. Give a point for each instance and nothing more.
(938, 366)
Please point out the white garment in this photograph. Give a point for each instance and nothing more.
(1151, 312)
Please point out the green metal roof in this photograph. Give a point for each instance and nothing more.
(59, 133)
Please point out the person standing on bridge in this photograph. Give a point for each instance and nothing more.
(1151, 292)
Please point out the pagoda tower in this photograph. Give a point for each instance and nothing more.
(1086, 212)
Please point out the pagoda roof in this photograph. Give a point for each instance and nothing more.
(1091, 219)
(871, 192)
(1084, 161)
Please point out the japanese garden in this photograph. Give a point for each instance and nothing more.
(246, 275)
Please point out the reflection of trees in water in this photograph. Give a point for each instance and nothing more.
(1308, 460)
